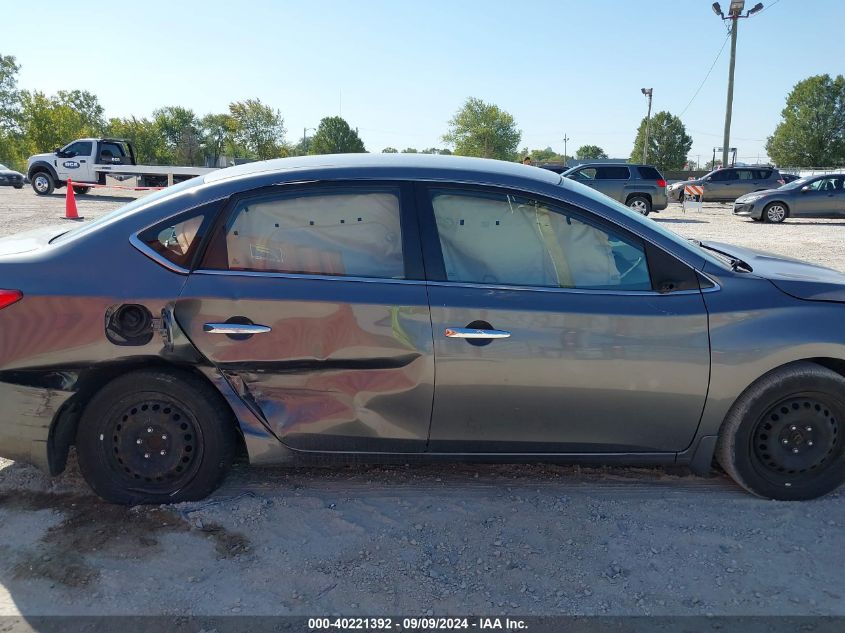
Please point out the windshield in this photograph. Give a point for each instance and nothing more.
(650, 225)
(129, 208)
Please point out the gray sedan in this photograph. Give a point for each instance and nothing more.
(398, 307)
(810, 197)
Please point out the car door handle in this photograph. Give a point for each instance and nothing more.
(466, 332)
(83, 161)
(234, 328)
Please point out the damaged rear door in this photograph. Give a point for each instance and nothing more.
(310, 299)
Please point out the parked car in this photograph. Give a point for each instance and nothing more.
(728, 184)
(10, 177)
(811, 197)
(384, 307)
(787, 178)
(640, 187)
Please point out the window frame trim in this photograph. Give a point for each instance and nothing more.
(411, 247)
(435, 264)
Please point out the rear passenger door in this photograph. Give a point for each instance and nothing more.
(310, 300)
(611, 181)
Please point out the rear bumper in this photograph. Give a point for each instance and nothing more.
(659, 202)
(26, 417)
(747, 210)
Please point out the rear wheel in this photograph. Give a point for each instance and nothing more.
(775, 212)
(783, 438)
(640, 204)
(42, 183)
(155, 437)
(81, 191)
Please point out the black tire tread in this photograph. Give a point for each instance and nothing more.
(213, 413)
(726, 446)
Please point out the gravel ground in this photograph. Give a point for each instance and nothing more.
(429, 538)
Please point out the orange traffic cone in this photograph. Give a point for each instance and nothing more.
(70, 203)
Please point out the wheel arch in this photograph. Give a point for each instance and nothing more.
(91, 380)
(701, 454)
(41, 165)
(639, 194)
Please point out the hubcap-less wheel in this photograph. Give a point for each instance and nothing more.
(639, 206)
(776, 213)
(796, 439)
(41, 183)
(154, 444)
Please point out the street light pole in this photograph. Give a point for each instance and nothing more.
(734, 15)
(565, 141)
(304, 135)
(647, 92)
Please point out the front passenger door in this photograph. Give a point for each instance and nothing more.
(548, 334)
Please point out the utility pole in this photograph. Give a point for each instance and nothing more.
(734, 15)
(305, 136)
(565, 141)
(647, 92)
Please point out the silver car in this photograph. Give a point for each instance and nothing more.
(729, 183)
(397, 307)
(810, 197)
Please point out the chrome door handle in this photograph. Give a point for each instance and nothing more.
(234, 328)
(466, 332)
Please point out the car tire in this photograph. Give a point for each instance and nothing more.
(18, 186)
(42, 183)
(155, 437)
(81, 191)
(775, 212)
(640, 204)
(784, 437)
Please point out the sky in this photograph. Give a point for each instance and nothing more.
(399, 70)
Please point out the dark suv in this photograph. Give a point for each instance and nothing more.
(641, 187)
(728, 184)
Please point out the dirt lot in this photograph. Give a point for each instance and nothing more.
(429, 539)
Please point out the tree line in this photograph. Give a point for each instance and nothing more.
(810, 134)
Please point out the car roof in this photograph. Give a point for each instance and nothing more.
(434, 164)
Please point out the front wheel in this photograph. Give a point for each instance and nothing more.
(783, 438)
(775, 212)
(155, 437)
(640, 204)
(42, 183)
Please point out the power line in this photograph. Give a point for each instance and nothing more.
(769, 7)
(707, 76)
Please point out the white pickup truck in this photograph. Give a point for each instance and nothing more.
(89, 161)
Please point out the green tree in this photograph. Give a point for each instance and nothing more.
(258, 129)
(435, 150)
(9, 95)
(179, 128)
(668, 142)
(590, 152)
(541, 155)
(484, 130)
(50, 122)
(145, 136)
(334, 136)
(410, 150)
(812, 132)
(390, 150)
(217, 134)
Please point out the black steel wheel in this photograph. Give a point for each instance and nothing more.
(155, 437)
(783, 437)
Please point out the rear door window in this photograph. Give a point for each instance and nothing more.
(724, 175)
(612, 172)
(332, 231)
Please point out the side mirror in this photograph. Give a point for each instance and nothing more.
(805, 188)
